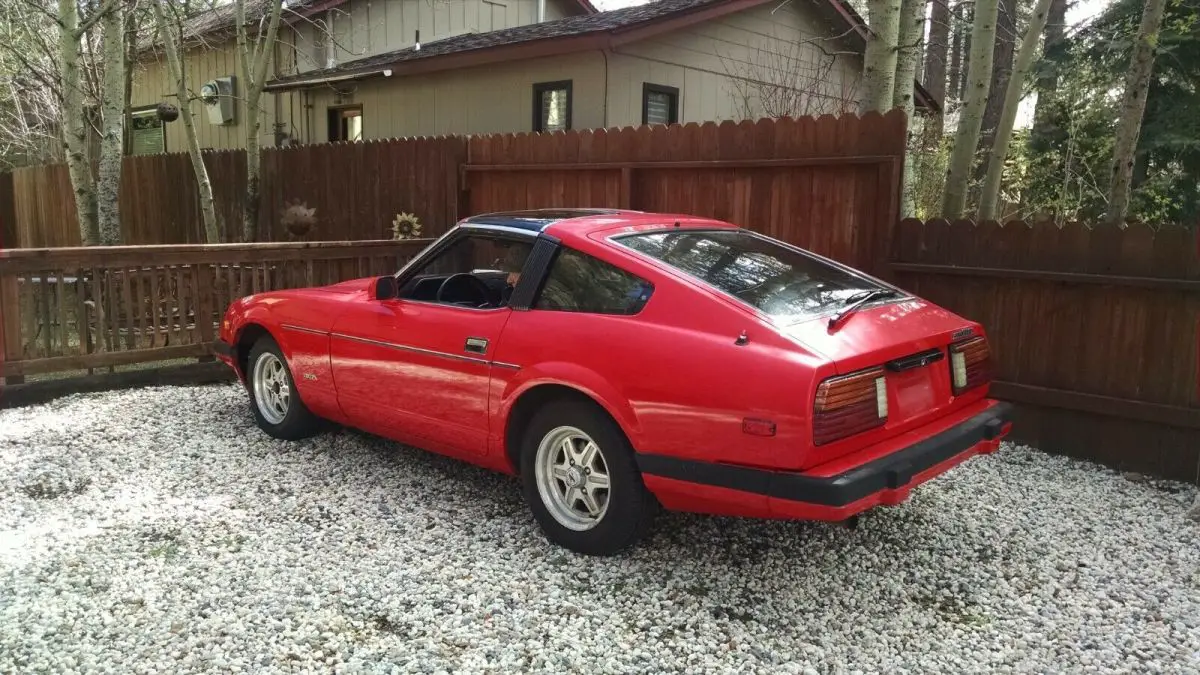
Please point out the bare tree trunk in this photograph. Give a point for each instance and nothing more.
(908, 53)
(112, 139)
(75, 128)
(1133, 106)
(954, 72)
(879, 61)
(255, 60)
(912, 33)
(1002, 72)
(132, 25)
(1012, 98)
(170, 40)
(979, 74)
(968, 21)
(934, 75)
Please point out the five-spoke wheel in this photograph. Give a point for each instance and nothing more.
(273, 397)
(581, 479)
(272, 391)
(572, 478)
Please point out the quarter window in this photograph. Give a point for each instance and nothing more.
(580, 283)
(552, 106)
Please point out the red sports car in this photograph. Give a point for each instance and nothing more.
(620, 362)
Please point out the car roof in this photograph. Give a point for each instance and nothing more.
(582, 222)
(536, 220)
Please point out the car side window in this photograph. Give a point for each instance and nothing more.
(488, 268)
(476, 253)
(580, 283)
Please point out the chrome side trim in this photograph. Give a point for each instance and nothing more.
(501, 364)
(302, 329)
(409, 348)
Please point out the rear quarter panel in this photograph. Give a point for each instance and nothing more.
(672, 375)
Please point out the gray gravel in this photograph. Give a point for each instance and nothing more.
(158, 531)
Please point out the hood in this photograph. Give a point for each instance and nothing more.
(874, 335)
(352, 286)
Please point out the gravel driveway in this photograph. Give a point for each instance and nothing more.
(159, 531)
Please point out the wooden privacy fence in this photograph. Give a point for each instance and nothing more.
(356, 190)
(75, 309)
(1095, 331)
(828, 184)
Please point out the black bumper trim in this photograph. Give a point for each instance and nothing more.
(889, 472)
(222, 348)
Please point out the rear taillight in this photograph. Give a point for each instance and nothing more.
(849, 404)
(970, 364)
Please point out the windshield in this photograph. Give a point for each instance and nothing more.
(779, 281)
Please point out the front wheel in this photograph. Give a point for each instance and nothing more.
(581, 480)
(273, 399)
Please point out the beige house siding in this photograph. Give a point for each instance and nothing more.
(719, 67)
(486, 99)
(152, 84)
(722, 67)
(360, 27)
(367, 27)
(705, 62)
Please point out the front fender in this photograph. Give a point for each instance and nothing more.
(242, 315)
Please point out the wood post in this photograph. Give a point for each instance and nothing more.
(10, 324)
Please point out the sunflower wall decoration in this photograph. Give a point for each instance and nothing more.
(406, 226)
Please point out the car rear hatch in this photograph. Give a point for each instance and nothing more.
(900, 351)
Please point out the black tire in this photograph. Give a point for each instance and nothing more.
(298, 422)
(630, 506)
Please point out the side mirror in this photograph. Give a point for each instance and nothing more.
(385, 288)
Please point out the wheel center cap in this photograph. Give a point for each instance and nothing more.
(574, 477)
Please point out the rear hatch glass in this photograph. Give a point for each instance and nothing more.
(782, 282)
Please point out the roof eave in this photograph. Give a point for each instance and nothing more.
(475, 57)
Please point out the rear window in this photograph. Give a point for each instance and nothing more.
(778, 281)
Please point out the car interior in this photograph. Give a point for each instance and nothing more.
(474, 271)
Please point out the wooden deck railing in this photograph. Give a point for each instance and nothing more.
(75, 309)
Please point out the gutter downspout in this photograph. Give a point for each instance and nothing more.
(604, 53)
(541, 10)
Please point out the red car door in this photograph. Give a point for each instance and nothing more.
(417, 368)
(418, 371)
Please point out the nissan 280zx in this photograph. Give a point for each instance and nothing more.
(621, 362)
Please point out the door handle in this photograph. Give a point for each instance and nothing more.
(476, 345)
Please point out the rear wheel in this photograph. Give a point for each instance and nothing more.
(581, 480)
(273, 399)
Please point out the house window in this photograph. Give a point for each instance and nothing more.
(660, 105)
(580, 283)
(552, 106)
(147, 134)
(345, 124)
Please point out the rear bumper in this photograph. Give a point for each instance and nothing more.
(735, 490)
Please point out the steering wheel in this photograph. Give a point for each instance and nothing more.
(464, 281)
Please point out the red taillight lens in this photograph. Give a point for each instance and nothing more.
(970, 364)
(849, 404)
